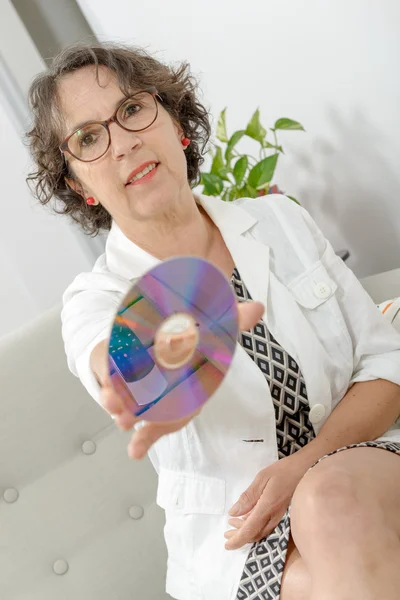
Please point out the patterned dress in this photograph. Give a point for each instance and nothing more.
(262, 574)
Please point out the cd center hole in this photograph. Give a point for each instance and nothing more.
(176, 341)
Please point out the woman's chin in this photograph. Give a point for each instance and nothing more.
(148, 205)
(150, 202)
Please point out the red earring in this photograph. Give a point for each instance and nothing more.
(90, 201)
(185, 142)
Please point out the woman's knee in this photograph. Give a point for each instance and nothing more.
(328, 502)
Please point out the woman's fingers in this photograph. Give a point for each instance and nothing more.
(249, 314)
(235, 522)
(260, 517)
(111, 401)
(146, 436)
(265, 532)
(126, 420)
(116, 406)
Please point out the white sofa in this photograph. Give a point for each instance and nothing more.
(78, 519)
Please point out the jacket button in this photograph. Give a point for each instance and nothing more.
(322, 290)
(317, 413)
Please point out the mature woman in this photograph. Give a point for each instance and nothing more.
(293, 437)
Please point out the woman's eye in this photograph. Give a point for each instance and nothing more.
(87, 140)
(131, 110)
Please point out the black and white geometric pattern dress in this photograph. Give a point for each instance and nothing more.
(262, 574)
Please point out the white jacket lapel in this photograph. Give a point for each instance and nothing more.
(250, 256)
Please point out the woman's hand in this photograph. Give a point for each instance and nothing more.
(264, 503)
(249, 314)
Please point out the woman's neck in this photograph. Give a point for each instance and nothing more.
(187, 230)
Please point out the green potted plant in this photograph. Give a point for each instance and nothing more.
(236, 175)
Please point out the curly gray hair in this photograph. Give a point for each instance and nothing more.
(133, 67)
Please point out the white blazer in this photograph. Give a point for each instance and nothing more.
(314, 306)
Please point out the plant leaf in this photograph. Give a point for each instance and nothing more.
(288, 124)
(240, 169)
(268, 145)
(218, 166)
(262, 172)
(218, 161)
(250, 191)
(235, 138)
(213, 185)
(223, 173)
(294, 199)
(221, 127)
(241, 193)
(254, 128)
(225, 195)
(231, 194)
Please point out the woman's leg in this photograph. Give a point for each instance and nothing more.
(345, 522)
(296, 582)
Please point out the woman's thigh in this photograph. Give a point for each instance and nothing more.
(374, 472)
(296, 580)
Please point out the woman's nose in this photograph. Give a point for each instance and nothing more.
(122, 141)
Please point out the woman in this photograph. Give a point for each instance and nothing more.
(118, 140)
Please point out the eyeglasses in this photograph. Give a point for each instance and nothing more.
(92, 141)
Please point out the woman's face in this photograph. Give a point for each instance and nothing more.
(83, 99)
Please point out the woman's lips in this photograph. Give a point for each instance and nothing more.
(146, 178)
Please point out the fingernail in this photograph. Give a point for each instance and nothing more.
(235, 509)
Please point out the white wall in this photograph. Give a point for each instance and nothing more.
(39, 254)
(331, 64)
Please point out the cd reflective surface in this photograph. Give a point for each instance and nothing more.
(173, 339)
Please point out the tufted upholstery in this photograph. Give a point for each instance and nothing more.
(78, 519)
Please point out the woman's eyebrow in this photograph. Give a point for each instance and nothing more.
(83, 123)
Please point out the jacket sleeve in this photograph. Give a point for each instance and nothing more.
(89, 307)
(376, 343)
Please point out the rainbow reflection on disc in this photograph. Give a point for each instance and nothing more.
(187, 285)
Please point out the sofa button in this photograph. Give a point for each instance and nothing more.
(60, 567)
(136, 512)
(11, 495)
(88, 447)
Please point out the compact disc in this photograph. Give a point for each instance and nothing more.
(173, 339)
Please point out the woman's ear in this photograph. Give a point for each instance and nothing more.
(178, 129)
(75, 186)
